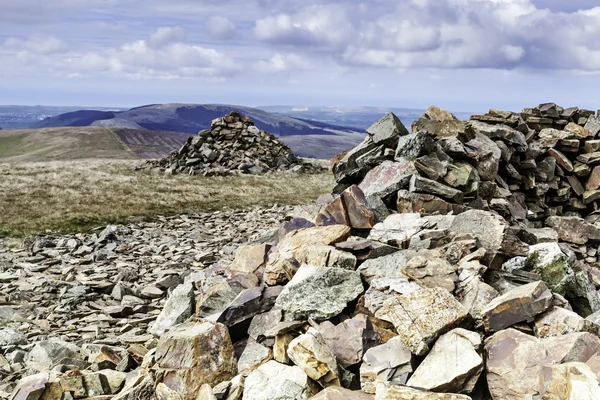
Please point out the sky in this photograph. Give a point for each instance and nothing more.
(462, 55)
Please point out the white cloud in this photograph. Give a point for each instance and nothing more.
(161, 56)
(36, 45)
(166, 35)
(220, 28)
(281, 63)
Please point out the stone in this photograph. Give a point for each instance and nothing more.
(280, 269)
(247, 304)
(390, 362)
(428, 186)
(387, 129)
(261, 323)
(319, 293)
(574, 229)
(553, 266)
(517, 305)
(569, 381)
(382, 289)
(327, 256)
(593, 182)
(11, 337)
(195, 353)
(273, 380)
(488, 155)
(47, 354)
(441, 124)
(350, 209)
(593, 125)
(487, 227)
(387, 178)
(422, 316)
(558, 321)
(179, 307)
(386, 391)
(502, 132)
(454, 364)
(414, 145)
(311, 353)
(515, 360)
(401, 229)
(472, 292)
(349, 339)
(425, 204)
(339, 393)
(249, 259)
(253, 356)
(31, 387)
(390, 266)
(580, 131)
(429, 270)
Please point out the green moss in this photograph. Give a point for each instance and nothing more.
(555, 274)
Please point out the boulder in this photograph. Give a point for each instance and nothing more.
(349, 339)
(390, 266)
(517, 305)
(430, 270)
(553, 266)
(195, 353)
(515, 360)
(11, 337)
(312, 354)
(282, 263)
(249, 259)
(387, 178)
(558, 321)
(253, 356)
(569, 381)
(414, 145)
(319, 293)
(422, 316)
(179, 307)
(487, 227)
(47, 354)
(453, 364)
(387, 130)
(350, 209)
(273, 380)
(390, 362)
(472, 292)
(574, 229)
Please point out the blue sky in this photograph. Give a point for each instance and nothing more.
(458, 54)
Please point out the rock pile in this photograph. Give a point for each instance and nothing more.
(233, 145)
(412, 283)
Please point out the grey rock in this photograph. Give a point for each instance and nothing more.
(319, 293)
(278, 381)
(390, 362)
(178, 308)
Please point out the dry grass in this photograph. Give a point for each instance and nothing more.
(70, 196)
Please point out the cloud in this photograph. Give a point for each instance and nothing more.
(281, 63)
(166, 35)
(220, 28)
(500, 34)
(162, 55)
(36, 45)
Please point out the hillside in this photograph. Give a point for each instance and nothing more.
(71, 143)
(306, 138)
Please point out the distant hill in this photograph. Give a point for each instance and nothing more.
(306, 138)
(90, 142)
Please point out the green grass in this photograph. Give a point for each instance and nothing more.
(72, 196)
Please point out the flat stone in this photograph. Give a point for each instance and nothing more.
(487, 227)
(414, 145)
(249, 259)
(390, 362)
(421, 316)
(387, 178)
(349, 339)
(517, 305)
(430, 270)
(424, 185)
(339, 393)
(472, 292)
(593, 125)
(319, 293)
(487, 154)
(593, 182)
(386, 391)
(502, 132)
(49, 353)
(562, 160)
(454, 364)
(558, 321)
(253, 356)
(574, 229)
(390, 266)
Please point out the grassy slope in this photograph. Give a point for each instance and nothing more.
(74, 195)
(69, 143)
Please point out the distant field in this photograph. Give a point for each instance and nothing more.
(72, 143)
(75, 195)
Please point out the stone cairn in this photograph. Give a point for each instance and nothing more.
(455, 262)
(232, 146)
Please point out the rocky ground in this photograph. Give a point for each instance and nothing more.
(455, 262)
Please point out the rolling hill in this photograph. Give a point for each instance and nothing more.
(306, 138)
(89, 142)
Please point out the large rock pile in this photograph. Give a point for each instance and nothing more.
(233, 145)
(434, 275)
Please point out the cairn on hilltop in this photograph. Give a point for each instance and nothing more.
(456, 262)
(233, 145)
